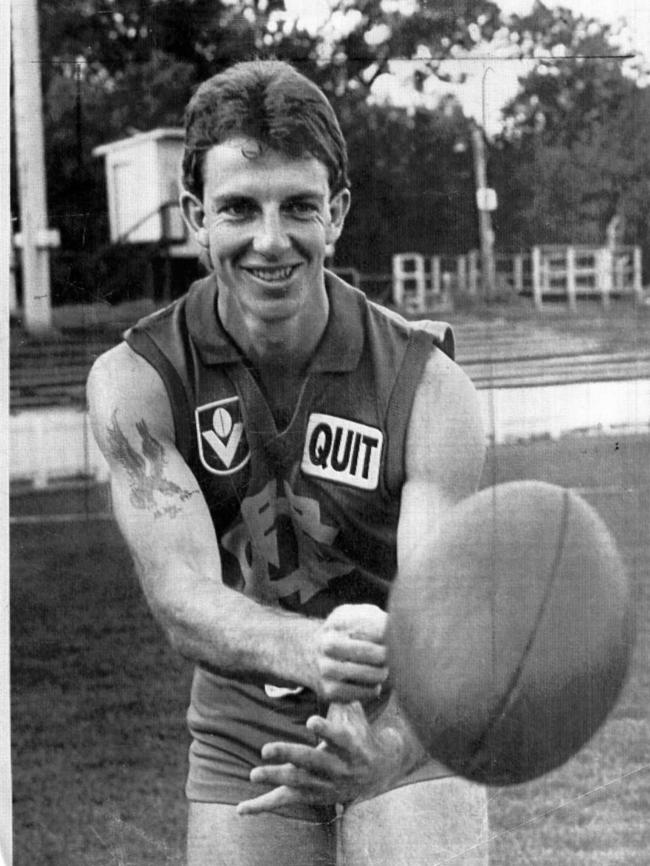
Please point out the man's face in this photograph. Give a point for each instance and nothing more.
(266, 221)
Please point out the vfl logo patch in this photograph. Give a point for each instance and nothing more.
(223, 447)
(341, 450)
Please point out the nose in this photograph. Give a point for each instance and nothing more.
(271, 238)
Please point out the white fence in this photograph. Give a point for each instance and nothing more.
(428, 283)
(585, 271)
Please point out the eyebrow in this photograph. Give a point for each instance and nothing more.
(229, 198)
(300, 196)
(242, 197)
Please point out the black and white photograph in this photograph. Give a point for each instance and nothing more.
(327, 442)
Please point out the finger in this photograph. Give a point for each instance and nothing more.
(276, 775)
(363, 620)
(314, 760)
(333, 734)
(346, 714)
(373, 629)
(282, 796)
(343, 735)
(347, 692)
(349, 649)
(355, 674)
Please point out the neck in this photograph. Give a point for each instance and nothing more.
(283, 347)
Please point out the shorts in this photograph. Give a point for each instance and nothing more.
(231, 721)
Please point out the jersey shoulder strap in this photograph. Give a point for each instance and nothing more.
(161, 339)
(424, 336)
(442, 333)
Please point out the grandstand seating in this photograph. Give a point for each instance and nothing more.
(53, 371)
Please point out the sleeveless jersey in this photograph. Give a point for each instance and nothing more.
(305, 516)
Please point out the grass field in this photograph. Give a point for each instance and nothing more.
(99, 741)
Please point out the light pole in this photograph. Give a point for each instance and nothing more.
(485, 202)
(35, 237)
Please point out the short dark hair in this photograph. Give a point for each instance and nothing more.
(271, 102)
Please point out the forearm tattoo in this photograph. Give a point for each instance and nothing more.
(145, 471)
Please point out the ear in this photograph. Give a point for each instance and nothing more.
(194, 216)
(338, 208)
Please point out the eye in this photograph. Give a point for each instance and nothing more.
(301, 208)
(237, 209)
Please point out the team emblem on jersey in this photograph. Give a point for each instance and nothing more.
(223, 447)
(341, 450)
(284, 546)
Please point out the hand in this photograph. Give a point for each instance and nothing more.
(348, 654)
(351, 762)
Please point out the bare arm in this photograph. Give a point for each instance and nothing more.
(167, 526)
(445, 450)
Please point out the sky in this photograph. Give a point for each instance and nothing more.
(484, 102)
(491, 78)
(491, 82)
(637, 13)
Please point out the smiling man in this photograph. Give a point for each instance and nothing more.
(278, 445)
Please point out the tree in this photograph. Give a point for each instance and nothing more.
(411, 166)
(573, 153)
(411, 188)
(99, 53)
(578, 81)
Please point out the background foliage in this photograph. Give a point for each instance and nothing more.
(572, 153)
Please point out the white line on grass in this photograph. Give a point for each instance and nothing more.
(72, 517)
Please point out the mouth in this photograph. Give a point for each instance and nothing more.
(272, 275)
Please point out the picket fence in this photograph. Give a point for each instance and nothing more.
(424, 283)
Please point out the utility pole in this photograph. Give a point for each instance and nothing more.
(36, 239)
(6, 828)
(485, 202)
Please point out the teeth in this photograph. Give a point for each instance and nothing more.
(271, 274)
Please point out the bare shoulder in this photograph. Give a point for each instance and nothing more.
(122, 385)
(445, 439)
(444, 385)
(123, 371)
